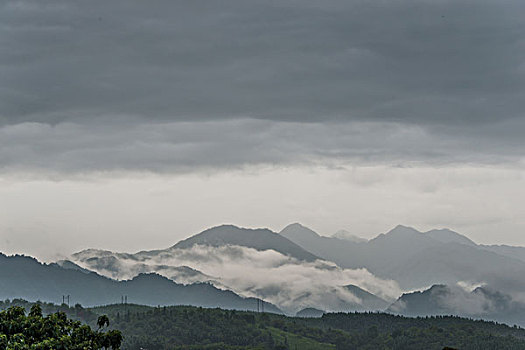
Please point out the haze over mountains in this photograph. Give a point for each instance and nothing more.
(255, 263)
(419, 259)
(296, 269)
(260, 239)
(26, 278)
(479, 303)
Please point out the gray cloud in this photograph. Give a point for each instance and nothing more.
(135, 85)
(196, 146)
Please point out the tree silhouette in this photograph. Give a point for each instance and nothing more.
(103, 321)
(52, 332)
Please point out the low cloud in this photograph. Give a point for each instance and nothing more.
(469, 286)
(474, 303)
(284, 281)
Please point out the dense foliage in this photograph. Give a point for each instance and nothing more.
(55, 331)
(185, 327)
(197, 328)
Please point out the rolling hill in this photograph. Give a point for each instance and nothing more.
(25, 277)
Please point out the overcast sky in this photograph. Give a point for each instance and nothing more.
(132, 124)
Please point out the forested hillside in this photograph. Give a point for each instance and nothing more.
(185, 327)
(195, 328)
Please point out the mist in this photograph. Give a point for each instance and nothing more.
(284, 281)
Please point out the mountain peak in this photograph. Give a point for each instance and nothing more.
(400, 231)
(259, 239)
(403, 228)
(296, 229)
(295, 225)
(448, 236)
(230, 227)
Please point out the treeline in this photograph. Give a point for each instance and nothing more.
(184, 327)
(197, 328)
(76, 312)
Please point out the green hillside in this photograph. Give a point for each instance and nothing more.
(186, 327)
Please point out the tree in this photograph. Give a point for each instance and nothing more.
(103, 321)
(52, 332)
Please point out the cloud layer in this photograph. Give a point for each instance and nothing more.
(131, 85)
(181, 147)
(286, 282)
(444, 61)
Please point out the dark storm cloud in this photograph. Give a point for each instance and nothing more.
(194, 146)
(88, 71)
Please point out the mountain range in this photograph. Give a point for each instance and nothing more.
(417, 260)
(252, 263)
(293, 270)
(26, 278)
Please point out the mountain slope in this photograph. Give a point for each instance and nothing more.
(332, 249)
(506, 250)
(25, 277)
(416, 260)
(448, 236)
(369, 301)
(482, 303)
(260, 239)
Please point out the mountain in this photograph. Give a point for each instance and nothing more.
(432, 301)
(328, 248)
(252, 263)
(448, 236)
(25, 277)
(123, 266)
(481, 302)
(506, 250)
(69, 265)
(369, 301)
(347, 236)
(260, 239)
(418, 259)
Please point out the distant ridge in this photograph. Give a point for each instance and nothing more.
(260, 239)
(369, 301)
(401, 259)
(452, 300)
(24, 277)
(417, 259)
(448, 236)
(296, 230)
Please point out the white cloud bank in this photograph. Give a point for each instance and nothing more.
(284, 281)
